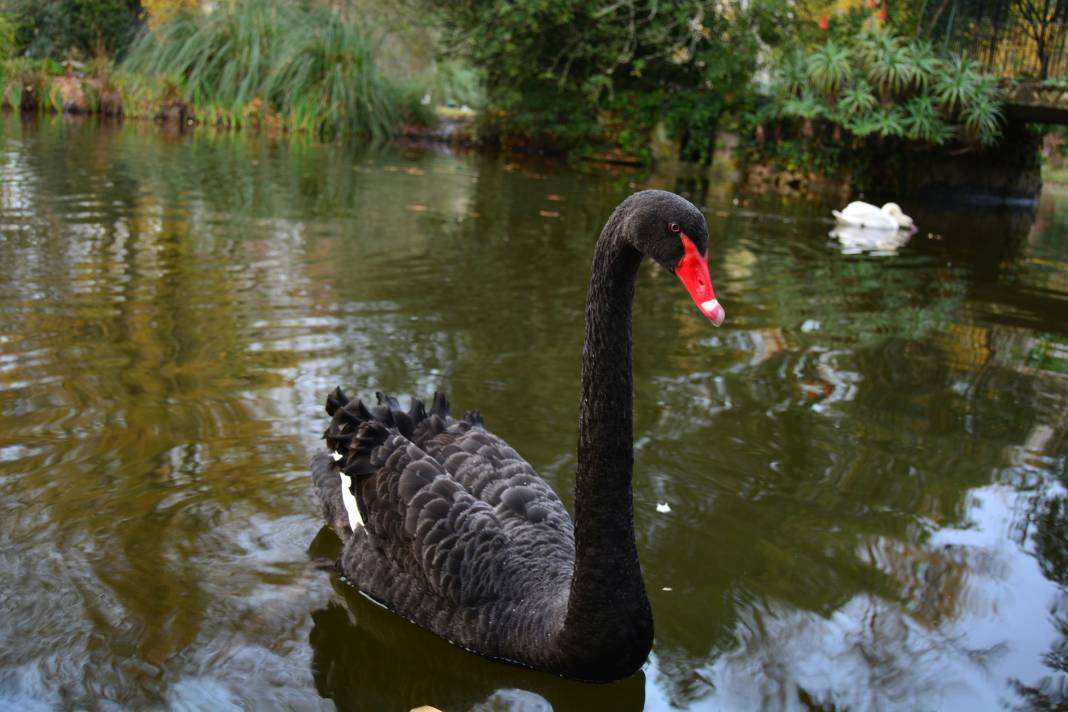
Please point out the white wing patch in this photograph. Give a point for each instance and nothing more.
(355, 520)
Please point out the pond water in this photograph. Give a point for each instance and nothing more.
(865, 470)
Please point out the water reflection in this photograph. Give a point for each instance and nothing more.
(864, 469)
(858, 240)
(356, 663)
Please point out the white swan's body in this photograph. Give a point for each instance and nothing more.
(867, 216)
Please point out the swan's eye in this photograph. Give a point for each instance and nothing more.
(674, 227)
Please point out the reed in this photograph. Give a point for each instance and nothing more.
(301, 61)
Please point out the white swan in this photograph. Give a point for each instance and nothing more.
(865, 215)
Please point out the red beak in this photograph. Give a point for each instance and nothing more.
(692, 270)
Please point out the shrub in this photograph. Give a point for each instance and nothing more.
(56, 28)
(572, 73)
(876, 84)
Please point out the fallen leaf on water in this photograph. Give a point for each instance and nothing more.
(418, 208)
(414, 171)
(548, 213)
(554, 197)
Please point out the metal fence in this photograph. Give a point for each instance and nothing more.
(995, 33)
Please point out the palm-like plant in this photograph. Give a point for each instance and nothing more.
(890, 122)
(923, 121)
(856, 99)
(863, 124)
(983, 116)
(793, 73)
(877, 84)
(958, 83)
(829, 67)
(892, 69)
(806, 106)
(872, 42)
(925, 62)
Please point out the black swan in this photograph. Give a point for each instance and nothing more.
(446, 525)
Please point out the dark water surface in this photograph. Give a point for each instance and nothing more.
(854, 494)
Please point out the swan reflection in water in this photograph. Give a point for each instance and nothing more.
(861, 240)
(365, 657)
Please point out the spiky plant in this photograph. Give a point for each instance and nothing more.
(829, 67)
(892, 69)
(792, 76)
(925, 63)
(863, 124)
(890, 122)
(856, 99)
(923, 121)
(873, 41)
(983, 116)
(806, 106)
(956, 86)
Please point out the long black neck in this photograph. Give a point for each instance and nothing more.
(607, 610)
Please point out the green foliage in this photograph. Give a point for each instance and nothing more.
(890, 122)
(579, 73)
(877, 86)
(57, 28)
(27, 83)
(857, 99)
(923, 121)
(925, 62)
(7, 36)
(314, 69)
(958, 84)
(792, 76)
(983, 117)
(891, 69)
(829, 67)
(454, 84)
(805, 106)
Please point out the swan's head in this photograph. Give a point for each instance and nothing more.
(672, 231)
(894, 210)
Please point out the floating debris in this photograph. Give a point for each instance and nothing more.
(663, 507)
(549, 213)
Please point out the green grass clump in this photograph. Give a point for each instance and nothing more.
(302, 61)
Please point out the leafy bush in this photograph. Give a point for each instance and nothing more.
(573, 73)
(56, 28)
(315, 70)
(877, 84)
